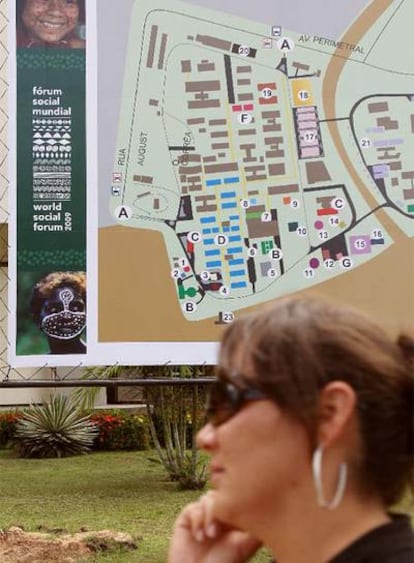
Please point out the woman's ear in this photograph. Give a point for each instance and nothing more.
(337, 405)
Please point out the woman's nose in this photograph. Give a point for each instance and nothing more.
(207, 437)
(55, 6)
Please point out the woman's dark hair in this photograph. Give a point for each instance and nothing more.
(20, 4)
(46, 286)
(293, 348)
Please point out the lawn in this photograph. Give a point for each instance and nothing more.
(124, 492)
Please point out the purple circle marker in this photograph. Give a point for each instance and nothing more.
(318, 225)
(314, 263)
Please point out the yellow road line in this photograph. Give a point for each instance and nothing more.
(335, 67)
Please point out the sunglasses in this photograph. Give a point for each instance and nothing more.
(226, 399)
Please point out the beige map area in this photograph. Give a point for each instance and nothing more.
(148, 310)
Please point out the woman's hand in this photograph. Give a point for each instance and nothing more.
(199, 538)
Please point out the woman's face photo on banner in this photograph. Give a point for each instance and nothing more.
(51, 23)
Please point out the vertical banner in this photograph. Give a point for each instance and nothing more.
(51, 177)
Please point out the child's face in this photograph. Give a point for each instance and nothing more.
(50, 20)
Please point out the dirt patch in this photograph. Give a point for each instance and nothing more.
(18, 546)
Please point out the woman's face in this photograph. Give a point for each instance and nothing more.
(50, 20)
(260, 458)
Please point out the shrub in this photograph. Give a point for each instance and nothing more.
(120, 431)
(8, 422)
(175, 414)
(54, 429)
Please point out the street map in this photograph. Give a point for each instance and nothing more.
(270, 160)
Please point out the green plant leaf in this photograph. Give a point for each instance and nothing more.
(54, 429)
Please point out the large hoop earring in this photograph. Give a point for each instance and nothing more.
(317, 479)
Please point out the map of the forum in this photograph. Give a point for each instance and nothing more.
(270, 160)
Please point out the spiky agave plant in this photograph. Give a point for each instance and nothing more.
(54, 429)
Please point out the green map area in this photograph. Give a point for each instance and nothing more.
(270, 160)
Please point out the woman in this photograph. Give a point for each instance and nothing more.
(310, 435)
(50, 23)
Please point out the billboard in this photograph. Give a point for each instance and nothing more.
(210, 160)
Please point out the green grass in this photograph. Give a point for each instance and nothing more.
(123, 492)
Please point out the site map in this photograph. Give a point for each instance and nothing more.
(270, 160)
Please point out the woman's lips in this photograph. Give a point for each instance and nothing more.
(214, 466)
(215, 472)
(52, 25)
